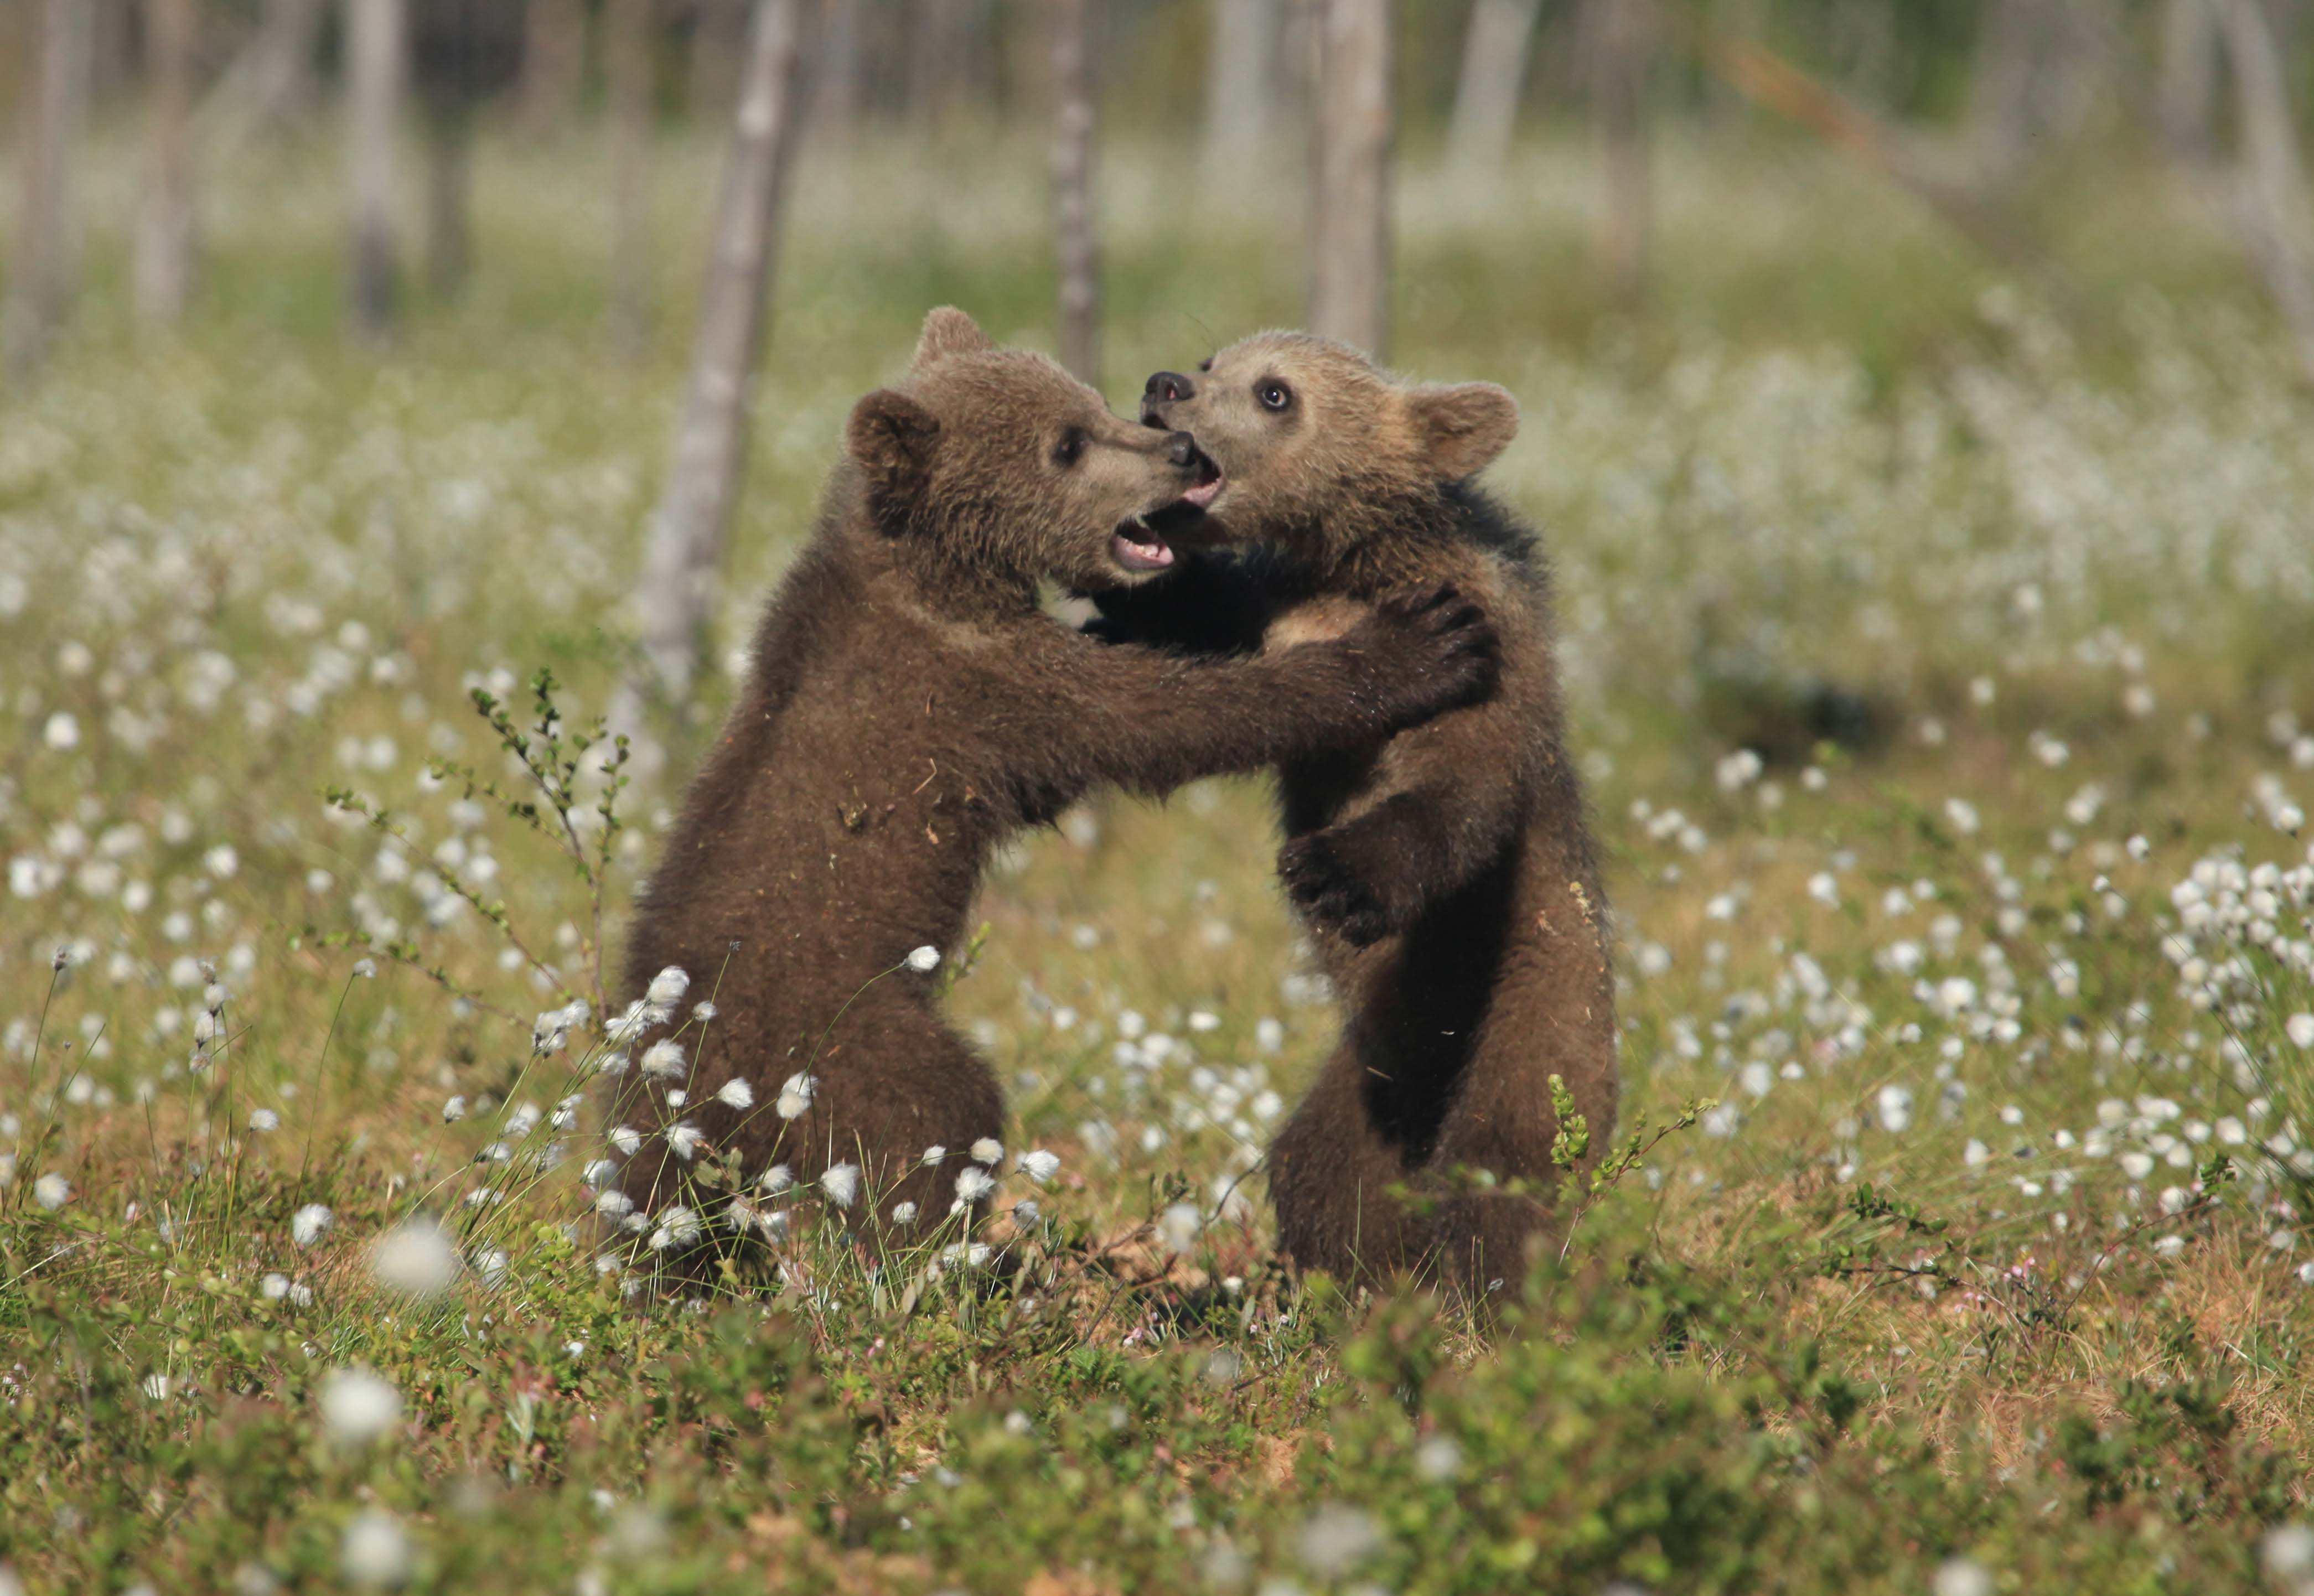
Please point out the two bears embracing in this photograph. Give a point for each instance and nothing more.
(1385, 641)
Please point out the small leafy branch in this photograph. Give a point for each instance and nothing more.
(1573, 1141)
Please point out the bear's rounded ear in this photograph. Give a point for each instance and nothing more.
(948, 330)
(1461, 428)
(892, 437)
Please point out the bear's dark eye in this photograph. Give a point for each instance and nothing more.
(1070, 449)
(1206, 364)
(1273, 394)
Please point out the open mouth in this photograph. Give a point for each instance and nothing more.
(1146, 542)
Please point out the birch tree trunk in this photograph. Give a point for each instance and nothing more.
(710, 444)
(1242, 87)
(270, 81)
(164, 212)
(54, 110)
(1072, 193)
(1624, 56)
(627, 85)
(1349, 268)
(2269, 199)
(2188, 87)
(1486, 99)
(374, 74)
(554, 55)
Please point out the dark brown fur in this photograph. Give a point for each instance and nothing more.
(909, 706)
(1447, 874)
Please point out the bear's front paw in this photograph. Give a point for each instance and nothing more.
(1329, 885)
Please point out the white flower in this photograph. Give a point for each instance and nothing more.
(1040, 1166)
(776, 1179)
(2137, 1165)
(904, 1213)
(1026, 1213)
(1824, 889)
(1336, 1539)
(490, 1265)
(668, 987)
(264, 1119)
(683, 1138)
(677, 1227)
(1896, 1108)
(1180, 1225)
(703, 1011)
(2300, 1028)
(598, 1173)
(367, 968)
(156, 1387)
(735, 1093)
(52, 1191)
(625, 1140)
(1438, 1459)
(841, 1182)
(374, 1552)
(275, 1285)
(61, 731)
(934, 1154)
(417, 1258)
(974, 1183)
(664, 1059)
(310, 1223)
(989, 1151)
(453, 1110)
(795, 1097)
(1960, 1576)
(357, 1406)
(924, 960)
(611, 1202)
(1976, 1154)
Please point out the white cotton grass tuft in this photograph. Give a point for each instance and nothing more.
(453, 1110)
(972, 1183)
(625, 1140)
(934, 1154)
(310, 1223)
(52, 1191)
(683, 1139)
(374, 1553)
(416, 1258)
(795, 1097)
(1336, 1539)
(1894, 1106)
(988, 1150)
(358, 1406)
(677, 1227)
(2300, 1029)
(1040, 1166)
(904, 1213)
(776, 1179)
(1961, 1576)
(668, 987)
(663, 1060)
(841, 1182)
(1180, 1226)
(735, 1093)
(261, 1120)
(924, 960)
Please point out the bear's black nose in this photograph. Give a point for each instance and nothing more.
(1182, 449)
(1168, 386)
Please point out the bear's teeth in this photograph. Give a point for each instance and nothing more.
(1141, 519)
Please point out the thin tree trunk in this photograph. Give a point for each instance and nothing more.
(835, 71)
(1493, 71)
(164, 216)
(627, 81)
(1241, 87)
(54, 110)
(449, 196)
(1349, 275)
(553, 54)
(2269, 200)
(2189, 75)
(1625, 53)
(1072, 193)
(711, 445)
(270, 81)
(375, 48)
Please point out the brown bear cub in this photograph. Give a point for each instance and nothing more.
(909, 706)
(1445, 873)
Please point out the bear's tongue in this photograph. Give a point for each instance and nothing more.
(1134, 554)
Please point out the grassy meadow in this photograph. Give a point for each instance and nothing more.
(1938, 657)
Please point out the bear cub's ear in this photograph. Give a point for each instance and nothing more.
(1463, 427)
(892, 437)
(948, 330)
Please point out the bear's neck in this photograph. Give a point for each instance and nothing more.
(1378, 540)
